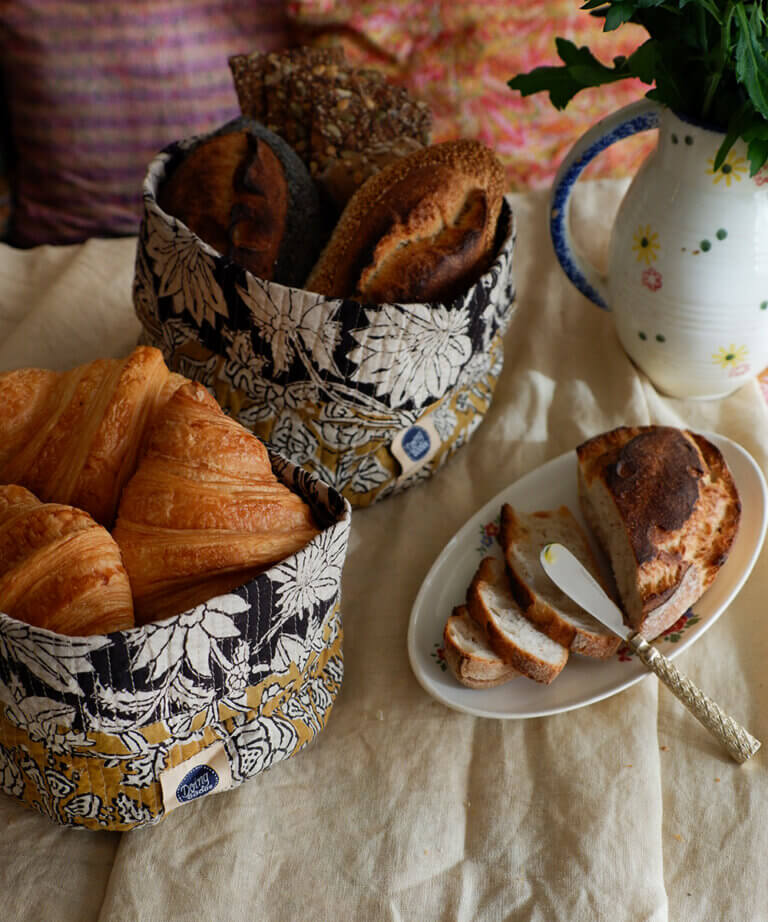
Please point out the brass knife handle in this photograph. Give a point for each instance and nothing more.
(739, 743)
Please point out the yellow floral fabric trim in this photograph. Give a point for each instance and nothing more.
(99, 792)
(457, 414)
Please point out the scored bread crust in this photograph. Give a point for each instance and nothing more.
(541, 601)
(512, 636)
(469, 655)
(664, 507)
(420, 230)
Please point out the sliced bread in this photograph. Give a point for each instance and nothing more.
(469, 654)
(522, 539)
(512, 636)
(664, 507)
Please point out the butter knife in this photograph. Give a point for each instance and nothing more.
(577, 582)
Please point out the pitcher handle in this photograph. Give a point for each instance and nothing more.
(632, 119)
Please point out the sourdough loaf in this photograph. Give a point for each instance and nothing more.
(247, 194)
(664, 507)
(469, 655)
(512, 636)
(423, 229)
(522, 539)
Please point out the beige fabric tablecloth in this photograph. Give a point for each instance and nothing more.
(405, 810)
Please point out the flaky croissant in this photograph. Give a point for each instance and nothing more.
(74, 437)
(203, 513)
(58, 569)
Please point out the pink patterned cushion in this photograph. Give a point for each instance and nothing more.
(96, 89)
(457, 55)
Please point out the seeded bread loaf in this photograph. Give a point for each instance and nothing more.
(522, 539)
(324, 107)
(664, 507)
(469, 654)
(512, 636)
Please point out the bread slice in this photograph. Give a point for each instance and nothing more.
(663, 505)
(512, 636)
(522, 539)
(469, 654)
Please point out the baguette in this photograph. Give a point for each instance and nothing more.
(542, 602)
(512, 636)
(469, 654)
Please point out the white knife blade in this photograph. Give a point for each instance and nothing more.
(570, 575)
(576, 581)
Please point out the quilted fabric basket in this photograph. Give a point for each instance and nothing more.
(113, 731)
(372, 398)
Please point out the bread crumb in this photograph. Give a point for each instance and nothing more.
(717, 779)
(664, 748)
(379, 715)
(467, 803)
(678, 837)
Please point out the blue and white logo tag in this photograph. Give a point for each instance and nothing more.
(415, 446)
(198, 782)
(416, 442)
(207, 772)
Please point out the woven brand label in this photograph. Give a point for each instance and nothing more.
(415, 446)
(207, 772)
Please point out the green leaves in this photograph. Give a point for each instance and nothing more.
(706, 59)
(751, 58)
(582, 69)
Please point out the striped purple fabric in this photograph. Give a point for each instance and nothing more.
(95, 89)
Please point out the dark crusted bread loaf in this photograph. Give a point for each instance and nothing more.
(422, 229)
(248, 195)
(663, 505)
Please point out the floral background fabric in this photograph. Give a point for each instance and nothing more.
(87, 724)
(329, 383)
(458, 57)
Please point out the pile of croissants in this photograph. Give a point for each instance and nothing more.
(127, 495)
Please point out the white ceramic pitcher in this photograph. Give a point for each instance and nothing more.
(688, 268)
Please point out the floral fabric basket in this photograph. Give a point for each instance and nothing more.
(371, 398)
(113, 731)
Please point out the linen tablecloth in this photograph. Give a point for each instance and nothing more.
(404, 809)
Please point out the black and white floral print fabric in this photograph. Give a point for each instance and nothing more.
(87, 724)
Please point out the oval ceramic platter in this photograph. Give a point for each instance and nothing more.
(583, 681)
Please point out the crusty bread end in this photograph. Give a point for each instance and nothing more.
(512, 636)
(469, 655)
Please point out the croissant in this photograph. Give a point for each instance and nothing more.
(203, 513)
(58, 569)
(75, 437)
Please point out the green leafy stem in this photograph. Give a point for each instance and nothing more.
(706, 60)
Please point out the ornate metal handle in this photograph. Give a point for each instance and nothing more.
(739, 743)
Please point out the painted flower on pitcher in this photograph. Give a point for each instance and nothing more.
(730, 358)
(645, 244)
(731, 170)
(761, 177)
(652, 279)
